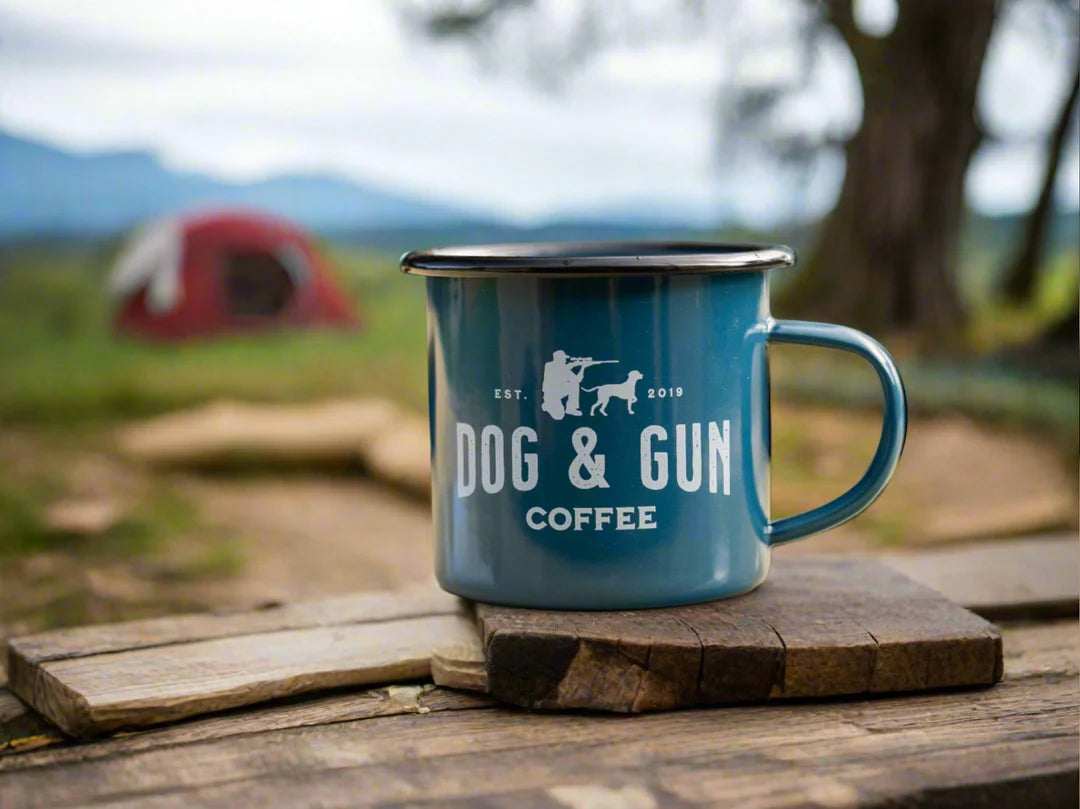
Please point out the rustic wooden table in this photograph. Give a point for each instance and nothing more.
(1013, 744)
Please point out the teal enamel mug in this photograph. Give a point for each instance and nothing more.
(600, 425)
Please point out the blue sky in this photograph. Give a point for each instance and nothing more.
(244, 89)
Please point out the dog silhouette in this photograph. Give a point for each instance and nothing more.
(620, 390)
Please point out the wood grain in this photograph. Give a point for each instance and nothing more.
(304, 711)
(388, 442)
(348, 609)
(754, 654)
(1025, 578)
(1012, 745)
(460, 664)
(225, 432)
(149, 672)
(20, 728)
(1051, 649)
(823, 627)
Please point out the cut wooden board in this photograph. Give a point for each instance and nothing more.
(82, 641)
(20, 728)
(816, 628)
(391, 444)
(1030, 577)
(401, 455)
(460, 664)
(95, 679)
(1013, 745)
(225, 432)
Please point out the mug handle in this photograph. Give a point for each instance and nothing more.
(893, 430)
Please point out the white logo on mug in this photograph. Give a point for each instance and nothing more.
(561, 387)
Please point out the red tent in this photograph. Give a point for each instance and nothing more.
(232, 271)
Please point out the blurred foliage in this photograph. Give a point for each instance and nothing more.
(55, 577)
(1001, 323)
(161, 514)
(60, 360)
(984, 390)
(21, 525)
(979, 384)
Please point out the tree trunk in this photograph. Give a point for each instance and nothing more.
(1020, 278)
(885, 257)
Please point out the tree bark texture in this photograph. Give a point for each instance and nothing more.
(1024, 270)
(886, 256)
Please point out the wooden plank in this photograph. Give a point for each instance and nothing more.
(736, 656)
(1031, 577)
(1020, 738)
(305, 711)
(1049, 790)
(90, 695)
(20, 728)
(386, 441)
(401, 456)
(226, 432)
(156, 682)
(460, 665)
(588, 659)
(1030, 652)
(817, 627)
(82, 641)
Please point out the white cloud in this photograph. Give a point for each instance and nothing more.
(244, 89)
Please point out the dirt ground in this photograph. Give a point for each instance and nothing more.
(309, 536)
(273, 536)
(958, 479)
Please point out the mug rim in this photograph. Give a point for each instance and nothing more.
(588, 259)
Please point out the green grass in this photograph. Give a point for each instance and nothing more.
(60, 362)
(65, 376)
(61, 365)
(996, 323)
(160, 515)
(161, 538)
(21, 527)
(984, 391)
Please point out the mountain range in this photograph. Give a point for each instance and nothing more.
(47, 191)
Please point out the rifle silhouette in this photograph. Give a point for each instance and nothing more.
(587, 362)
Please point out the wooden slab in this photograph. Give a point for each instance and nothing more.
(1025, 578)
(1013, 745)
(20, 728)
(388, 442)
(226, 432)
(816, 628)
(95, 679)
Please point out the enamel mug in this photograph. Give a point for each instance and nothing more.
(600, 429)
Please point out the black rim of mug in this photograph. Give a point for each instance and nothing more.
(587, 259)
